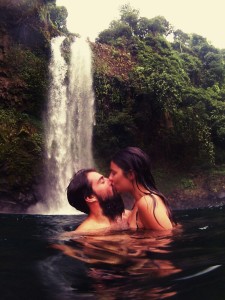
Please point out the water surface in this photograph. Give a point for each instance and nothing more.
(37, 263)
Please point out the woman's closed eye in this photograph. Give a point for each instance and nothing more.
(112, 173)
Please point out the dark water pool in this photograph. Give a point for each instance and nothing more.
(37, 264)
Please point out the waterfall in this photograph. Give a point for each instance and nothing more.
(69, 123)
(80, 88)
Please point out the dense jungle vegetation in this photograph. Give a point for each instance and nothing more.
(172, 101)
(167, 97)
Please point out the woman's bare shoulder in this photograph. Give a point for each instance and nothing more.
(149, 200)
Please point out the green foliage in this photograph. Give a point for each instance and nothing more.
(119, 131)
(129, 16)
(33, 71)
(159, 25)
(187, 183)
(115, 126)
(175, 93)
(192, 137)
(214, 69)
(160, 76)
(192, 66)
(181, 37)
(58, 15)
(159, 43)
(117, 30)
(20, 149)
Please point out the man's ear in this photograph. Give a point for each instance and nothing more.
(91, 198)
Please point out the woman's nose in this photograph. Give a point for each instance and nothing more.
(110, 178)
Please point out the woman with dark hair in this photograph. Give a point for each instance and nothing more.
(130, 172)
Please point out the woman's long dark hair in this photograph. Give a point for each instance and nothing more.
(136, 160)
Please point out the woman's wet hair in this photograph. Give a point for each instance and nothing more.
(78, 189)
(136, 160)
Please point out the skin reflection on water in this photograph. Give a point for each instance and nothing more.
(126, 265)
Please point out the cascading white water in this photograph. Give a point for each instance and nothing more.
(69, 123)
(80, 88)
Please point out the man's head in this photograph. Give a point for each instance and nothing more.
(79, 189)
(87, 186)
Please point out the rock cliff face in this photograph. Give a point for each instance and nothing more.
(111, 61)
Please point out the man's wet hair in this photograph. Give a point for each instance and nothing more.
(79, 189)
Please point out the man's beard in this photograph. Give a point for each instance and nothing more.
(112, 206)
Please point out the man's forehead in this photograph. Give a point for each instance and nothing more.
(93, 177)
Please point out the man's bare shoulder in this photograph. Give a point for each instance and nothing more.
(88, 227)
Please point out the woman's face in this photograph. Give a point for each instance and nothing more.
(120, 182)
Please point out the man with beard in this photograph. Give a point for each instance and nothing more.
(93, 194)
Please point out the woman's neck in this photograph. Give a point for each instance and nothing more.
(139, 191)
